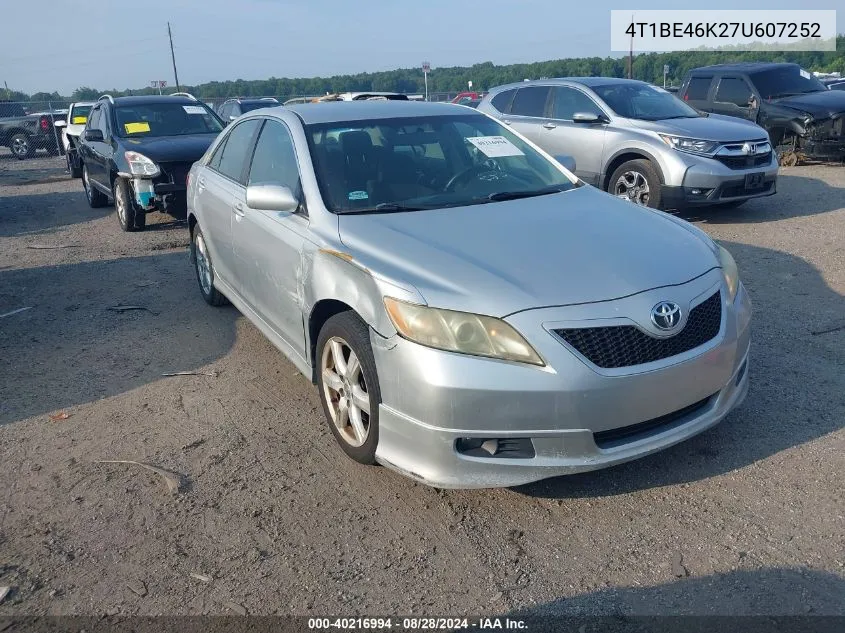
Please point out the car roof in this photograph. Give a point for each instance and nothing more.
(340, 111)
(589, 82)
(253, 99)
(743, 67)
(149, 99)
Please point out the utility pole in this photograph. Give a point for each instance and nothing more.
(173, 57)
(630, 55)
(8, 92)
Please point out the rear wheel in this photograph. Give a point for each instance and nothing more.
(73, 166)
(96, 198)
(201, 259)
(348, 385)
(131, 218)
(21, 146)
(636, 181)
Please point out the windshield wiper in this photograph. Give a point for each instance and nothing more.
(514, 195)
(385, 207)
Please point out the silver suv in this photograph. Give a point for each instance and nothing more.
(639, 142)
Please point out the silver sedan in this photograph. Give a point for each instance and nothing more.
(472, 314)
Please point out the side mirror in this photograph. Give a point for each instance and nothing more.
(60, 123)
(587, 117)
(94, 136)
(271, 198)
(567, 161)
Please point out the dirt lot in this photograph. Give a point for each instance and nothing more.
(273, 519)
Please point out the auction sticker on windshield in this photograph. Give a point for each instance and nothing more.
(495, 146)
(137, 128)
(194, 109)
(79, 120)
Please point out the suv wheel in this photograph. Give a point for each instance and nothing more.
(96, 198)
(131, 218)
(348, 385)
(73, 166)
(636, 181)
(21, 146)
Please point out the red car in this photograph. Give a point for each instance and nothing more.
(467, 96)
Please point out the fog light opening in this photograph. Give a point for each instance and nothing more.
(486, 447)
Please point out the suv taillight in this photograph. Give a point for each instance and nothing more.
(44, 124)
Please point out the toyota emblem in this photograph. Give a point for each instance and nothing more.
(666, 315)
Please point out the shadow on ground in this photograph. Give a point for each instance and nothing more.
(750, 601)
(45, 213)
(797, 391)
(69, 348)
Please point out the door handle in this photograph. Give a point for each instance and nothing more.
(549, 126)
(239, 210)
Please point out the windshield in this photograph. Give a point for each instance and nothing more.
(249, 106)
(79, 114)
(644, 102)
(165, 119)
(785, 81)
(406, 164)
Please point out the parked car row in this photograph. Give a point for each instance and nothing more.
(447, 276)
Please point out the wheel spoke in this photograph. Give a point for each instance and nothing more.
(357, 425)
(353, 366)
(337, 357)
(341, 414)
(361, 399)
(332, 380)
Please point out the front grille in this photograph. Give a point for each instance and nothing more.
(635, 432)
(745, 162)
(176, 173)
(626, 345)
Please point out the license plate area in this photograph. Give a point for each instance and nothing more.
(755, 180)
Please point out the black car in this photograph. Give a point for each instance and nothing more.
(137, 151)
(24, 133)
(800, 114)
(231, 109)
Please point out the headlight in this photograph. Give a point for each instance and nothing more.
(140, 165)
(460, 332)
(690, 145)
(730, 271)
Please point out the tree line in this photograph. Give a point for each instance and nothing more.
(647, 67)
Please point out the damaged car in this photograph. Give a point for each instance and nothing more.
(472, 314)
(803, 117)
(137, 152)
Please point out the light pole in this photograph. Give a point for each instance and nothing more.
(426, 68)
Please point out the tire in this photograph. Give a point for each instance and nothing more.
(130, 217)
(73, 166)
(21, 146)
(204, 268)
(628, 180)
(347, 334)
(96, 198)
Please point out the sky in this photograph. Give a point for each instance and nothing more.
(123, 44)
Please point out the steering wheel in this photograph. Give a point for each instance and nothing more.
(467, 174)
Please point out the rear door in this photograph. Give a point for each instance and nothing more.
(268, 244)
(696, 91)
(583, 141)
(733, 97)
(529, 111)
(220, 188)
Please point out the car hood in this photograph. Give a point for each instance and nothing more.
(579, 246)
(713, 127)
(822, 105)
(164, 149)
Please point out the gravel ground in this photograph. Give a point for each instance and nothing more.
(271, 518)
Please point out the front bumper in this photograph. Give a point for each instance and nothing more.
(431, 400)
(707, 181)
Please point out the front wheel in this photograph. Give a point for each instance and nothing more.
(21, 146)
(636, 181)
(201, 259)
(131, 218)
(348, 383)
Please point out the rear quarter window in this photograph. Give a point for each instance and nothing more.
(502, 101)
(698, 87)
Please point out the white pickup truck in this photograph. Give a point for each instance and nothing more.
(77, 117)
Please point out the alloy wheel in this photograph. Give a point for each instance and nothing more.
(20, 146)
(203, 268)
(632, 186)
(345, 391)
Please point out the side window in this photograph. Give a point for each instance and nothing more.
(568, 101)
(697, 88)
(530, 101)
(274, 161)
(237, 150)
(225, 110)
(103, 122)
(214, 163)
(94, 119)
(502, 101)
(733, 90)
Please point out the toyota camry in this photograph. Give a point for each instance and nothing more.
(471, 313)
